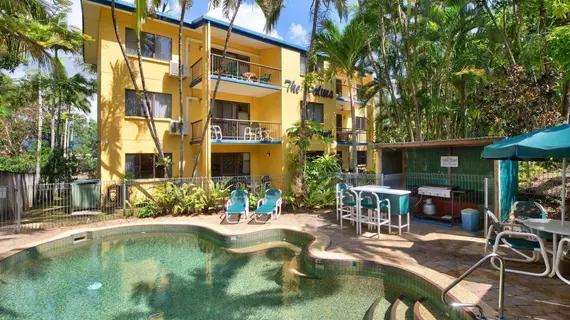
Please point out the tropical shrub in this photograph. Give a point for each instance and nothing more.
(189, 199)
(150, 210)
(219, 191)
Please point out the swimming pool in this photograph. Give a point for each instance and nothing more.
(194, 273)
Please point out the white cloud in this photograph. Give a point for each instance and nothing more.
(249, 16)
(297, 34)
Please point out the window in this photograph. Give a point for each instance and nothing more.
(361, 157)
(146, 165)
(230, 164)
(361, 123)
(314, 154)
(152, 45)
(315, 112)
(339, 87)
(303, 64)
(160, 104)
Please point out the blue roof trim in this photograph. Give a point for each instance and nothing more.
(347, 143)
(248, 33)
(228, 141)
(248, 83)
(166, 17)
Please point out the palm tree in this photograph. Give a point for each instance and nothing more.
(271, 10)
(343, 50)
(142, 12)
(183, 5)
(341, 8)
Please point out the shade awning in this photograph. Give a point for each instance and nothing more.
(542, 144)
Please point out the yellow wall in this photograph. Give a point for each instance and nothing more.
(120, 134)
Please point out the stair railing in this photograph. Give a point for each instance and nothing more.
(467, 273)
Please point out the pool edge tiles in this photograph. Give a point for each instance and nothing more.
(317, 261)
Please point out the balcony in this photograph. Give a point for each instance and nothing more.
(238, 76)
(233, 131)
(344, 136)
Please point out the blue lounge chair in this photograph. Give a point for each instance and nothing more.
(237, 205)
(270, 204)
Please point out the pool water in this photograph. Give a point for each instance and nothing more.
(178, 276)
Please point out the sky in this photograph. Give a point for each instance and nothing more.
(293, 26)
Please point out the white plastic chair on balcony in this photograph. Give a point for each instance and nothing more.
(560, 256)
(499, 236)
(217, 132)
(250, 133)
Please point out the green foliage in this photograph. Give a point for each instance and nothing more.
(165, 198)
(58, 167)
(320, 188)
(313, 130)
(190, 199)
(218, 192)
(559, 45)
(148, 211)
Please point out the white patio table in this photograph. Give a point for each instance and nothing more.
(373, 189)
(554, 227)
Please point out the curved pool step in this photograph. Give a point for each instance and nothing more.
(402, 309)
(424, 311)
(377, 310)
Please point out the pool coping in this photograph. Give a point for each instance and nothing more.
(316, 249)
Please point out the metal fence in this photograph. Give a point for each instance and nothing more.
(63, 204)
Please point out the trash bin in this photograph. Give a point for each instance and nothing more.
(470, 219)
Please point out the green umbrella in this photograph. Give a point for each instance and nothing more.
(538, 145)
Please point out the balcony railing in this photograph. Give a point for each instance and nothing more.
(233, 129)
(344, 135)
(245, 70)
(196, 69)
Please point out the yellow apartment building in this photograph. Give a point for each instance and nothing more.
(258, 98)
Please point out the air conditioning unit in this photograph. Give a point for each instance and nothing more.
(174, 70)
(177, 127)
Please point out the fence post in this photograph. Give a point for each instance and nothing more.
(18, 193)
(486, 201)
(124, 196)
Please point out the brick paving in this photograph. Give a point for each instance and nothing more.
(449, 251)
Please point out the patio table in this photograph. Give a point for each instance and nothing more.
(551, 226)
(373, 189)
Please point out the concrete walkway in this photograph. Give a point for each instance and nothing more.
(449, 251)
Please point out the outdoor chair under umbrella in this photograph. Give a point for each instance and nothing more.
(540, 145)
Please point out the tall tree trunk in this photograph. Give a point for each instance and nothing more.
(52, 120)
(215, 93)
(150, 111)
(565, 98)
(403, 19)
(180, 26)
(144, 101)
(40, 127)
(308, 68)
(510, 55)
(57, 93)
(463, 105)
(353, 120)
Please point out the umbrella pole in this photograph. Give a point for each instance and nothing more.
(563, 193)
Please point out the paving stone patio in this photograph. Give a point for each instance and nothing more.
(449, 251)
